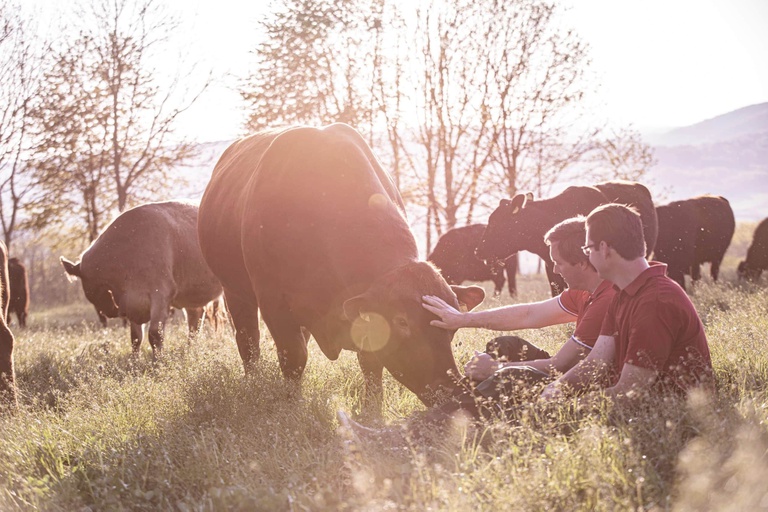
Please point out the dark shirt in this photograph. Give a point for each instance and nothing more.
(657, 327)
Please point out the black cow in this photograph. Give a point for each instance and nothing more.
(7, 384)
(757, 254)
(691, 232)
(19, 288)
(520, 223)
(454, 255)
(303, 225)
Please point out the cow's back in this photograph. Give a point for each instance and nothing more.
(150, 245)
(322, 217)
(636, 195)
(676, 241)
(223, 205)
(716, 225)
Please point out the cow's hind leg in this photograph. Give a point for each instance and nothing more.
(372, 369)
(714, 269)
(245, 317)
(695, 273)
(158, 318)
(289, 336)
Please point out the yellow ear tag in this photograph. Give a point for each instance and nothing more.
(463, 307)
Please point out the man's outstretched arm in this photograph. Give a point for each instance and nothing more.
(506, 318)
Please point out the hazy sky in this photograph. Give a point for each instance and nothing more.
(662, 63)
(668, 63)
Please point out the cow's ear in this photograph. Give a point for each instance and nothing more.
(519, 201)
(355, 306)
(469, 296)
(71, 269)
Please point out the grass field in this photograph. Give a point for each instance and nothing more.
(97, 430)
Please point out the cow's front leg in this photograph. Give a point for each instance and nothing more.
(373, 395)
(136, 337)
(288, 335)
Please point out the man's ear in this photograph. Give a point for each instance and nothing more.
(469, 296)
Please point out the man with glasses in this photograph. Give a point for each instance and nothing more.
(652, 337)
(509, 360)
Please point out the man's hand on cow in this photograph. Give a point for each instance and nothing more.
(450, 317)
(481, 366)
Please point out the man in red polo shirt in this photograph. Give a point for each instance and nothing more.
(509, 359)
(652, 336)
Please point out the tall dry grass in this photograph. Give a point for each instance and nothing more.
(97, 430)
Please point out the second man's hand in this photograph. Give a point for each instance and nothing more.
(481, 366)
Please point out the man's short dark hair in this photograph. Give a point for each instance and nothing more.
(569, 235)
(620, 227)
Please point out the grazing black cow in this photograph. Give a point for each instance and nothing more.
(520, 223)
(7, 378)
(454, 255)
(19, 288)
(305, 226)
(145, 262)
(757, 254)
(691, 232)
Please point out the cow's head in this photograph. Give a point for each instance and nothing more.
(388, 319)
(506, 234)
(748, 272)
(95, 291)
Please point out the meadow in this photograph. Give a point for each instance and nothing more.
(97, 429)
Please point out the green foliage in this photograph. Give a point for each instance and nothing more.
(100, 430)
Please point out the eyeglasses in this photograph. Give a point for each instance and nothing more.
(587, 249)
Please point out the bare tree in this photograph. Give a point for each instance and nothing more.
(621, 154)
(309, 67)
(454, 131)
(487, 97)
(19, 67)
(109, 109)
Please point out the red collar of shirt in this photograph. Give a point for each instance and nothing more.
(604, 285)
(656, 268)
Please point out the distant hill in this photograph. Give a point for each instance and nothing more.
(747, 121)
(726, 155)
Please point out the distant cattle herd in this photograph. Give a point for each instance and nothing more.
(304, 226)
